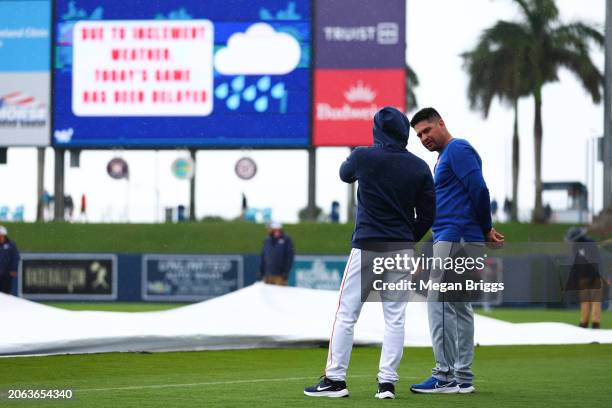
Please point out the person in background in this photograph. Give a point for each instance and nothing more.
(9, 261)
(276, 256)
(334, 215)
(548, 212)
(68, 207)
(494, 209)
(83, 207)
(584, 276)
(244, 205)
(508, 209)
(47, 202)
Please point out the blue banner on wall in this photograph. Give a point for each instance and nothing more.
(317, 272)
(182, 73)
(190, 277)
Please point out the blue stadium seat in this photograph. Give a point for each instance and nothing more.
(266, 215)
(18, 213)
(4, 211)
(250, 214)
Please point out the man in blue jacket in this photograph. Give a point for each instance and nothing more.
(276, 256)
(462, 223)
(396, 204)
(9, 261)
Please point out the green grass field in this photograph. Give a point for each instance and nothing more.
(509, 376)
(116, 306)
(215, 237)
(517, 376)
(520, 376)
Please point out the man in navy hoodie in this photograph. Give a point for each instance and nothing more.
(9, 261)
(396, 203)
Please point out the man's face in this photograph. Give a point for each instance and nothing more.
(2, 238)
(274, 231)
(432, 134)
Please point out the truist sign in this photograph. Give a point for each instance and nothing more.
(360, 59)
(363, 34)
(346, 101)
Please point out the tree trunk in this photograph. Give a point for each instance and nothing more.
(192, 187)
(515, 165)
(311, 207)
(58, 209)
(40, 185)
(538, 212)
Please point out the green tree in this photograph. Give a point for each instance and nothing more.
(412, 81)
(548, 45)
(497, 67)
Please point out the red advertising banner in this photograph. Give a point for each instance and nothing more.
(346, 101)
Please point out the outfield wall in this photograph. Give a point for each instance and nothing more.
(197, 277)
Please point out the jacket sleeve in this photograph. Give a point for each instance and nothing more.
(289, 256)
(348, 169)
(15, 258)
(467, 166)
(479, 196)
(425, 206)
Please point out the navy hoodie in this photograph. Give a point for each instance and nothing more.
(9, 257)
(395, 197)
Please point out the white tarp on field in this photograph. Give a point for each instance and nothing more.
(257, 316)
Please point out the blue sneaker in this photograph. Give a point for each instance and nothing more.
(466, 388)
(434, 386)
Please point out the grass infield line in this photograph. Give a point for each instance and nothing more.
(256, 380)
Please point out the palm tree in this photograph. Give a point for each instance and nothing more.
(412, 81)
(549, 45)
(497, 67)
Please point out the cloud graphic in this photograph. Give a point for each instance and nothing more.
(258, 51)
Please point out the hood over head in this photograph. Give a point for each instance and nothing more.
(391, 128)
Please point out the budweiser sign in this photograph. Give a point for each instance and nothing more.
(346, 101)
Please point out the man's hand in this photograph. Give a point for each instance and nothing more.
(13, 274)
(494, 239)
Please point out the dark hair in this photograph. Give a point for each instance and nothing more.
(427, 114)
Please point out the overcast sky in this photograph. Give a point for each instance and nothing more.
(438, 32)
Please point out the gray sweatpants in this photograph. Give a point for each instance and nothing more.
(451, 323)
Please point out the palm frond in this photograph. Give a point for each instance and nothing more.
(590, 77)
(412, 81)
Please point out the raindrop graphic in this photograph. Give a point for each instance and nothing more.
(278, 90)
(238, 83)
(264, 84)
(222, 91)
(261, 104)
(250, 93)
(233, 102)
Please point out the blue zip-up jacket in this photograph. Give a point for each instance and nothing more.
(9, 257)
(395, 197)
(276, 256)
(463, 205)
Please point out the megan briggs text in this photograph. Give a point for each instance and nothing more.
(468, 285)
